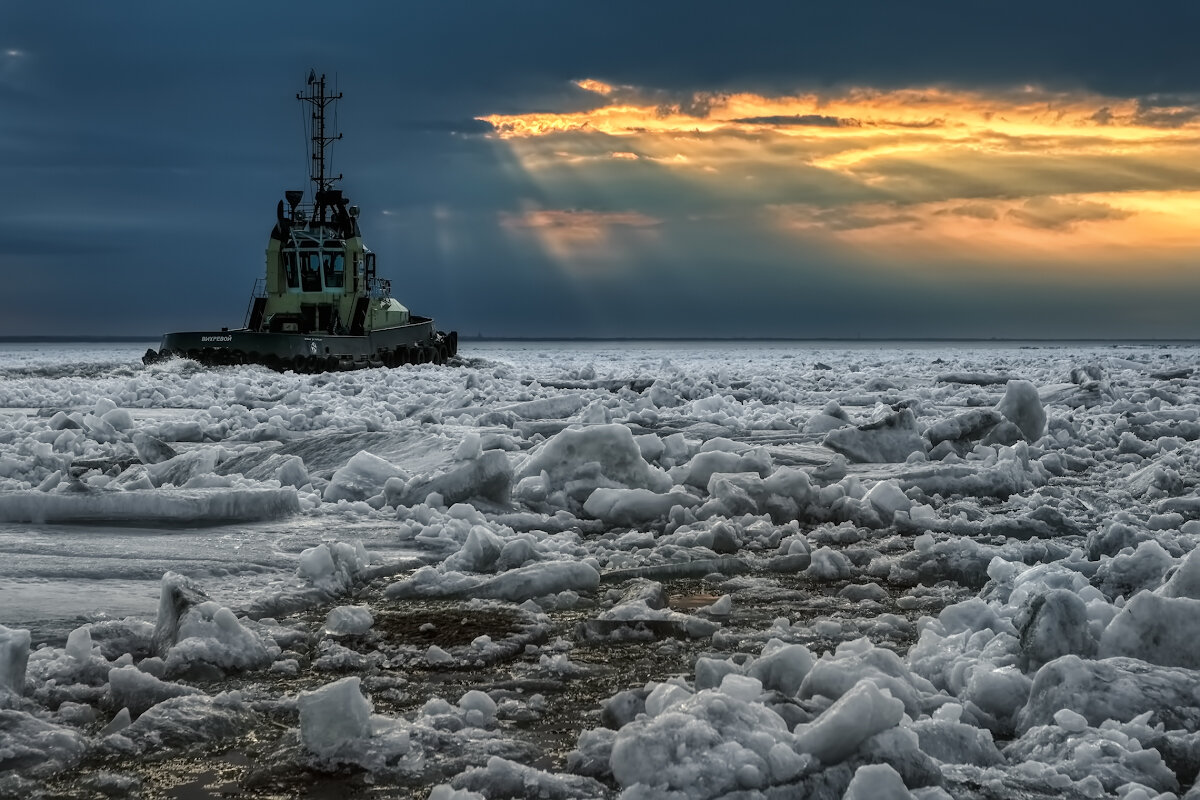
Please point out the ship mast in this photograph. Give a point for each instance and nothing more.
(317, 98)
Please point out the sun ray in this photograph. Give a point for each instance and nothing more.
(925, 177)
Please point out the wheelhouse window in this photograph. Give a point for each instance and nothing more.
(335, 270)
(310, 270)
(321, 266)
(291, 272)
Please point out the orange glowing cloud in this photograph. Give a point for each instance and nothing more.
(934, 174)
(847, 133)
(957, 113)
(595, 87)
(1097, 234)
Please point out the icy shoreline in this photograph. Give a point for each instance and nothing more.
(981, 560)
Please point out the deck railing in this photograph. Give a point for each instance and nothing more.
(259, 290)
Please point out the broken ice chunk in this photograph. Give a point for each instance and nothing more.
(1022, 406)
(888, 440)
(349, 621)
(14, 657)
(333, 715)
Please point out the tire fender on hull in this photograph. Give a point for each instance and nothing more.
(281, 353)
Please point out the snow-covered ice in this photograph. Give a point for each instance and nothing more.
(666, 570)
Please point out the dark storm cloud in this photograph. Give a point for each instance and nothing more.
(776, 47)
(924, 124)
(1166, 111)
(143, 146)
(78, 148)
(964, 173)
(697, 104)
(842, 219)
(813, 120)
(1054, 214)
(973, 211)
(19, 240)
(464, 127)
(459, 49)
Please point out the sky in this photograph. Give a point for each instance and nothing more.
(617, 169)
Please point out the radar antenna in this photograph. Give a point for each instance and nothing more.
(317, 98)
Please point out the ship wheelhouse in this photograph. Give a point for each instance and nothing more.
(314, 264)
(319, 305)
(318, 270)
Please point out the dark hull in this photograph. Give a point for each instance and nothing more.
(415, 343)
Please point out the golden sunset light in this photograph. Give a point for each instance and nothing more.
(1094, 234)
(1024, 176)
(583, 239)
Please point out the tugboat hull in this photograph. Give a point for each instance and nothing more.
(415, 343)
(320, 304)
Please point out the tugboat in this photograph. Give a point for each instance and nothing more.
(320, 306)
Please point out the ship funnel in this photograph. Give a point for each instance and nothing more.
(293, 197)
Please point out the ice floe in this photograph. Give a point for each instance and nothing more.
(724, 571)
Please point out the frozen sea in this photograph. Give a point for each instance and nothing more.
(604, 569)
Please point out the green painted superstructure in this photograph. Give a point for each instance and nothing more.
(320, 304)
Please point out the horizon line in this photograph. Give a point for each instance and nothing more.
(56, 338)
